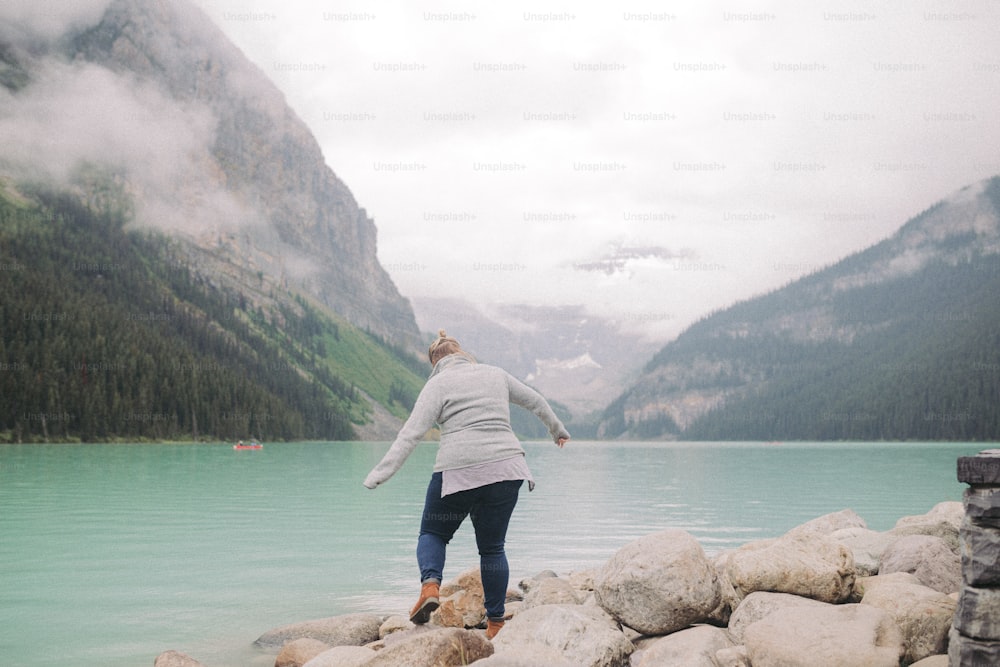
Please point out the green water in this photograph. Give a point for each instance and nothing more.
(111, 554)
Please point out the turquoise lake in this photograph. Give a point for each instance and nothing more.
(111, 554)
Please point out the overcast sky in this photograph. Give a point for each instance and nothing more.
(654, 161)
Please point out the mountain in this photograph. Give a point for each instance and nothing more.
(574, 358)
(178, 259)
(108, 334)
(900, 341)
(206, 147)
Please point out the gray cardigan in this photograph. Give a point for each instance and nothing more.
(471, 404)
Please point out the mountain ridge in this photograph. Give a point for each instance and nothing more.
(855, 350)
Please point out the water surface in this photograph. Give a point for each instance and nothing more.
(111, 554)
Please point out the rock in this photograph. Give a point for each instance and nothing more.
(583, 580)
(175, 659)
(732, 657)
(944, 521)
(760, 604)
(923, 615)
(440, 647)
(693, 647)
(831, 523)
(462, 602)
(527, 584)
(552, 590)
(831, 636)
(394, 624)
(980, 554)
(342, 656)
(933, 661)
(978, 613)
(982, 505)
(584, 636)
(299, 651)
(866, 546)
(928, 557)
(801, 563)
(967, 652)
(346, 630)
(529, 655)
(659, 583)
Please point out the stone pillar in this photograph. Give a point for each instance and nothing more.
(975, 634)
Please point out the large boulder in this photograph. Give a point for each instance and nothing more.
(831, 523)
(342, 656)
(528, 655)
(830, 636)
(693, 647)
(923, 615)
(928, 557)
(944, 520)
(436, 648)
(345, 630)
(585, 636)
(551, 590)
(760, 604)
(803, 563)
(299, 651)
(659, 583)
(866, 546)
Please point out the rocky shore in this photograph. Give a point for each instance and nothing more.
(830, 592)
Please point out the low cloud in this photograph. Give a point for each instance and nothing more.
(618, 258)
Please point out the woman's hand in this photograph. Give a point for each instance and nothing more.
(561, 441)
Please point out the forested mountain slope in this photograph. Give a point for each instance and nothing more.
(900, 341)
(108, 334)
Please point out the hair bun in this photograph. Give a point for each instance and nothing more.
(442, 334)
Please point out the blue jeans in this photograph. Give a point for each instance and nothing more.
(490, 507)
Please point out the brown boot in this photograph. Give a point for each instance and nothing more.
(428, 602)
(492, 628)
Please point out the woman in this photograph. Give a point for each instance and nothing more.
(479, 469)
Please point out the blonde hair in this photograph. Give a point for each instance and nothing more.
(443, 346)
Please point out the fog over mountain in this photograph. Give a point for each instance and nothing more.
(153, 96)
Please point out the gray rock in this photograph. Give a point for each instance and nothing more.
(831, 636)
(693, 647)
(175, 659)
(584, 636)
(980, 554)
(926, 556)
(808, 564)
(438, 647)
(978, 613)
(761, 604)
(924, 616)
(967, 652)
(345, 630)
(982, 505)
(659, 583)
(342, 656)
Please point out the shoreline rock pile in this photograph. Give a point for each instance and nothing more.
(830, 592)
